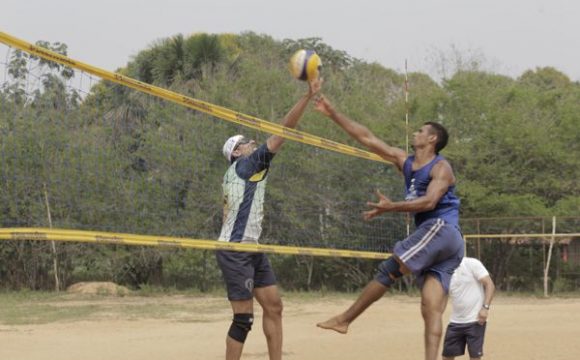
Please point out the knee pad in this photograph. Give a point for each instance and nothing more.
(241, 326)
(389, 271)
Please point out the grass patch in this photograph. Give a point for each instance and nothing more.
(28, 307)
(33, 307)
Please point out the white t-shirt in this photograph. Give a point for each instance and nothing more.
(466, 291)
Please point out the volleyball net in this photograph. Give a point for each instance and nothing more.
(90, 158)
(89, 150)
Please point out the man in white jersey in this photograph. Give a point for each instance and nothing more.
(249, 274)
(471, 291)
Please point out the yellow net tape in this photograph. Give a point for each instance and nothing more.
(44, 234)
(199, 105)
(520, 236)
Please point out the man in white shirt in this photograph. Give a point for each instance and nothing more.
(471, 290)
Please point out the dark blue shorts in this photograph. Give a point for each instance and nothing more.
(458, 336)
(244, 271)
(435, 248)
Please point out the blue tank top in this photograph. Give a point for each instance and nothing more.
(416, 183)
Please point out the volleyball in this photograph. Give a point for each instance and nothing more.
(305, 65)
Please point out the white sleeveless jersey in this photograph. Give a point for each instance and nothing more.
(244, 188)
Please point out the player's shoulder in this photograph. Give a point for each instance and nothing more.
(442, 161)
(471, 261)
(442, 167)
(244, 167)
(262, 153)
(260, 159)
(473, 264)
(256, 156)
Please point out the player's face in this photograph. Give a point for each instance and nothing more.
(246, 146)
(420, 137)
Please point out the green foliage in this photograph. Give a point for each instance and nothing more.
(118, 160)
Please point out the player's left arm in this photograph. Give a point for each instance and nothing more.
(489, 291)
(441, 179)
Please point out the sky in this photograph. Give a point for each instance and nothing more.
(507, 36)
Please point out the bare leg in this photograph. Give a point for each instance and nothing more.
(269, 299)
(433, 303)
(371, 293)
(449, 358)
(233, 347)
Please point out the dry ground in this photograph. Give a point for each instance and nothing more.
(191, 328)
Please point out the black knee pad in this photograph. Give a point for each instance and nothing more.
(241, 326)
(389, 271)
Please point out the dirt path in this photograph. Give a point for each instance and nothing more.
(392, 329)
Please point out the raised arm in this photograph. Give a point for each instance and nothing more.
(362, 134)
(441, 179)
(291, 119)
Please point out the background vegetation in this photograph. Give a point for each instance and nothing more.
(116, 160)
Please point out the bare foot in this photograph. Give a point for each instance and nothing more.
(334, 323)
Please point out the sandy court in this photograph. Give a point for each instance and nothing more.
(391, 329)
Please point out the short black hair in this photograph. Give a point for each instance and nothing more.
(441, 133)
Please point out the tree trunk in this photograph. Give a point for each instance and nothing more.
(52, 243)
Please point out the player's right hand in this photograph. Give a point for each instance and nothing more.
(370, 214)
(322, 105)
(380, 207)
(314, 86)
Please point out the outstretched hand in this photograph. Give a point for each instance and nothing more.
(314, 86)
(383, 205)
(322, 105)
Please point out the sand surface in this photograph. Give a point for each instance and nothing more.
(518, 329)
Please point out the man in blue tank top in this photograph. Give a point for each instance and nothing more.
(436, 247)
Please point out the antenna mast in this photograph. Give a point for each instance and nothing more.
(406, 109)
(408, 216)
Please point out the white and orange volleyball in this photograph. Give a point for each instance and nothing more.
(305, 65)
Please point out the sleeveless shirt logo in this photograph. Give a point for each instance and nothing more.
(411, 192)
